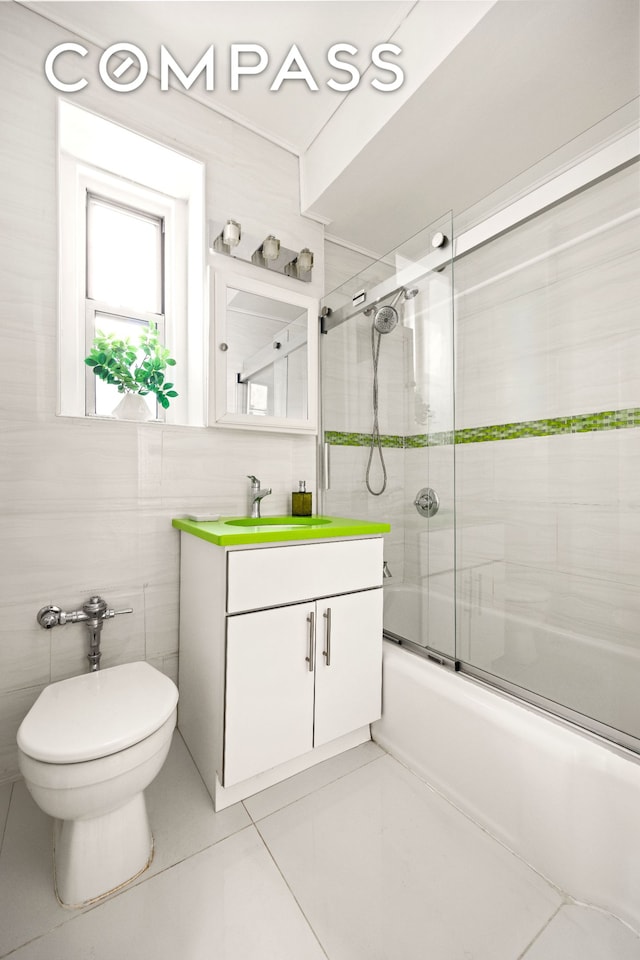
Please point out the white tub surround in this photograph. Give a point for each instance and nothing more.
(564, 801)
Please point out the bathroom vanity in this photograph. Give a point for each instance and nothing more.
(280, 645)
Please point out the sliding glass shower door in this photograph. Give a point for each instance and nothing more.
(548, 456)
(515, 545)
(387, 411)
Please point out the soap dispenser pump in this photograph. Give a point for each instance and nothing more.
(301, 501)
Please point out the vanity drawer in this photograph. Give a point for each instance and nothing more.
(271, 576)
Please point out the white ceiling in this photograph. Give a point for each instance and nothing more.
(530, 76)
(294, 115)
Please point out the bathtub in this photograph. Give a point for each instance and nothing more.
(563, 800)
(414, 612)
(517, 644)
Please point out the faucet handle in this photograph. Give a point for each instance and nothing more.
(253, 479)
(49, 616)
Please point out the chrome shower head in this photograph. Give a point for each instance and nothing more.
(385, 318)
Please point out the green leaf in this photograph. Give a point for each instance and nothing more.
(129, 366)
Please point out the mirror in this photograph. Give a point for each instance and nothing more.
(264, 356)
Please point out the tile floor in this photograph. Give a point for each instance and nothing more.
(356, 859)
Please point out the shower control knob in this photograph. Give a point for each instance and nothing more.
(427, 502)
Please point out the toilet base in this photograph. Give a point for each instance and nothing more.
(96, 856)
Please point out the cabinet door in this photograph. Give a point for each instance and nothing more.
(269, 690)
(349, 670)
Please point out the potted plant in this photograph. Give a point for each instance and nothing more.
(136, 370)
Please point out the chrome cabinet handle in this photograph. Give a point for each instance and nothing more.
(311, 621)
(326, 653)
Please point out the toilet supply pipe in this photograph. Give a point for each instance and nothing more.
(94, 612)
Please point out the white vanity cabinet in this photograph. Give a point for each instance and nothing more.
(298, 677)
(280, 656)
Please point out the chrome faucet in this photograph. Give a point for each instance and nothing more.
(257, 495)
(94, 612)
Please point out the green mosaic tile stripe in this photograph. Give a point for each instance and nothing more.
(554, 426)
(339, 439)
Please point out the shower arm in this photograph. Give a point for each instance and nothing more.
(376, 303)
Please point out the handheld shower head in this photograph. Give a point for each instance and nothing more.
(385, 318)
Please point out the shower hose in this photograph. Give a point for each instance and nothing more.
(375, 431)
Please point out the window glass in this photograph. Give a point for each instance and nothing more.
(124, 256)
(107, 395)
(258, 398)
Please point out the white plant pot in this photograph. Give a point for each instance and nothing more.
(132, 407)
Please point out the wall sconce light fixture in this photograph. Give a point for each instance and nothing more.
(270, 249)
(231, 233)
(227, 237)
(301, 266)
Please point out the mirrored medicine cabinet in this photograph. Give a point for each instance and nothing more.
(264, 355)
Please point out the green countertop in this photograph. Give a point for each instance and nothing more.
(229, 531)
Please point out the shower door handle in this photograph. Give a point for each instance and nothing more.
(326, 467)
(326, 653)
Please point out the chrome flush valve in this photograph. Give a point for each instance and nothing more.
(94, 612)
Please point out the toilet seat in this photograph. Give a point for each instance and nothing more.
(97, 714)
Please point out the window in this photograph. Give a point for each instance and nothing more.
(124, 285)
(131, 255)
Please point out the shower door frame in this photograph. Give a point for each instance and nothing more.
(598, 165)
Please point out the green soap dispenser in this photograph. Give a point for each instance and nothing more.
(301, 501)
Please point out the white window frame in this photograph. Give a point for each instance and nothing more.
(110, 161)
(93, 306)
(77, 181)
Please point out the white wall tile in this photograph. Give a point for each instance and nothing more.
(25, 653)
(555, 336)
(86, 504)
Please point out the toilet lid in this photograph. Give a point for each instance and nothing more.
(97, 714)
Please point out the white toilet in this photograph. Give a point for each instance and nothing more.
(87, 749)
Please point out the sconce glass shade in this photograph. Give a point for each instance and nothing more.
(305, 260)
(271, 248)
(231, 233)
